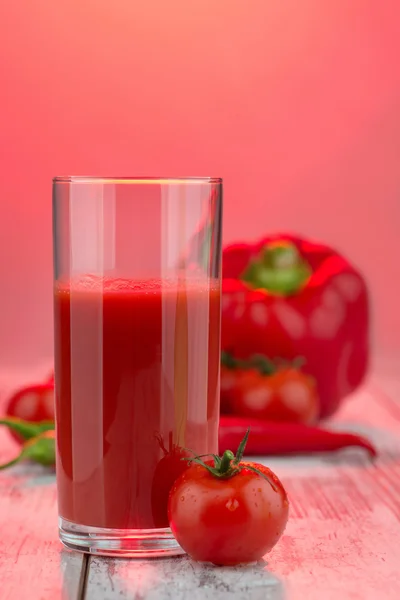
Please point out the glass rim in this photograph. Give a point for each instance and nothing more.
(136, 180)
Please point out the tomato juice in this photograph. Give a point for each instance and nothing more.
(137, 378)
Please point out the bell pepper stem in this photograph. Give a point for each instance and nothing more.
(278, 269)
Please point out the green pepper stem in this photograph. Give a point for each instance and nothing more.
(40, 449)
(26, 429)
(278, 269)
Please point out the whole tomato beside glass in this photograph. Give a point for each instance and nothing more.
(227, 511)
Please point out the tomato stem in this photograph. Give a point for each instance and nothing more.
(261, 363)
(271, 483)
(226, 462)
(229, 465)
(242, 446)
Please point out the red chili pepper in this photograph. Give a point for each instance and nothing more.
(269, 438)
(288, 297)
(34, 403)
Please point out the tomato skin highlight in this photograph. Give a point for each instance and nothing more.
(228, 521)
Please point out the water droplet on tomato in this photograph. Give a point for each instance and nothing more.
(232, 504)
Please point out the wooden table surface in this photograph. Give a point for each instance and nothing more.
(342, 541)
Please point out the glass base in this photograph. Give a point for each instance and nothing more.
(129, 543)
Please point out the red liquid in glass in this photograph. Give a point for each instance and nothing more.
(137, 368)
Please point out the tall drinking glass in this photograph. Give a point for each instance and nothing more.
(137, 266)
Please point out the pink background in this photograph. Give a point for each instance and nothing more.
(296, 103)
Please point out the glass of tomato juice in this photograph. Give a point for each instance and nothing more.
(137, 276)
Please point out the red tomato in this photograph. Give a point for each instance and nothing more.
(288, 395)
(170, 467)
(231, 520)
(34, 403)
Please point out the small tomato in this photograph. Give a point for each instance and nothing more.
(34, 403)
(287, 395)
(167, 471)
(227, 511)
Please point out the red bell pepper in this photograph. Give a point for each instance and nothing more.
(288, 297)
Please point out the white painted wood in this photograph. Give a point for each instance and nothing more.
(32, 562)
(341, 543)
(178, 579)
